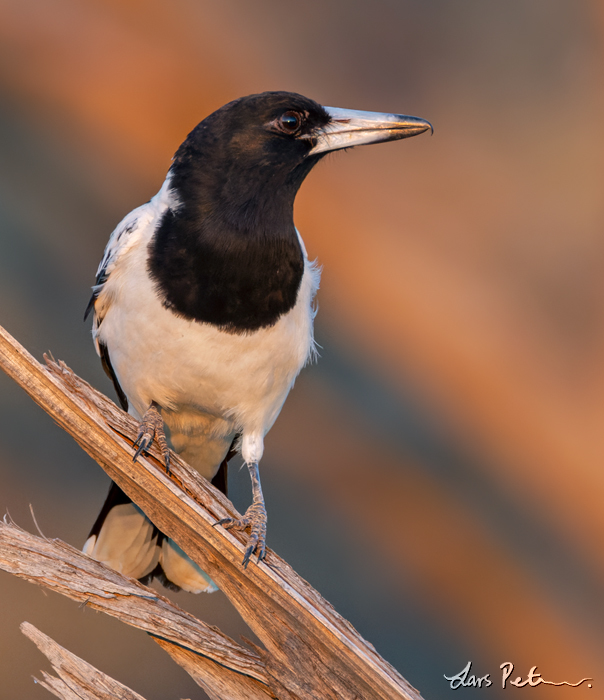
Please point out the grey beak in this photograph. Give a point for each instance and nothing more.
(350, 127)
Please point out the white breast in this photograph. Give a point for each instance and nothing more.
(209, 383)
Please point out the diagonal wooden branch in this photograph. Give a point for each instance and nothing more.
(77, 679)
(217, 663)
(310, 650)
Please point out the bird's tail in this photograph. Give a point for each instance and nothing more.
(127, 541)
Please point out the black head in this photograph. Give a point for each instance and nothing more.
(250, 157)
(228, 253)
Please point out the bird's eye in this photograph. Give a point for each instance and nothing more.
(290, 122)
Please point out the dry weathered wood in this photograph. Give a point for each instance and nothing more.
(214, 660)
(209, 676)
(57, 687)
(77, 680)
(311, 651)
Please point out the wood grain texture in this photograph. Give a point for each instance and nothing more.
(212, 679)
(310, 650)
(65, 570)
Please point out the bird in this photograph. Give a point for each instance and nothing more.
(203, 308)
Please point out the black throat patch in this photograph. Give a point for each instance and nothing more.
(238, 281)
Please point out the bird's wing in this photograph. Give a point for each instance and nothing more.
(125, 236)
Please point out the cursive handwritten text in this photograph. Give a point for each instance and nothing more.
(533, 678)
(463, 679)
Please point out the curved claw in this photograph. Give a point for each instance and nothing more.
(252, 547)
(226, 522)
(144, 442)
(256, 520)
(152, 427)
(166, 454)
(249, 551)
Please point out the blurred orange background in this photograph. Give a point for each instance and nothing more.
(439, 474)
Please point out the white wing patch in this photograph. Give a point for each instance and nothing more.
(120, 240)
(126, 235)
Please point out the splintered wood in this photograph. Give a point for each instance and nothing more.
(77, 680)
(309, 650)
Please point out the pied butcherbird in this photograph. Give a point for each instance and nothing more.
(203, 306)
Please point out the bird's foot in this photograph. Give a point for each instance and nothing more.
(152, 428)
(255, 519)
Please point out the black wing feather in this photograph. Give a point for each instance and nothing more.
(107, 366)
(90, 306)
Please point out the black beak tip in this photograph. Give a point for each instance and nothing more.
(425, 126)
(416, 126)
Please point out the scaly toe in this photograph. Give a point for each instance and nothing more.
(257, 522)
(233, 523)
(152, 428)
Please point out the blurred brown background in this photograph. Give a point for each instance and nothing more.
(439, 475)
